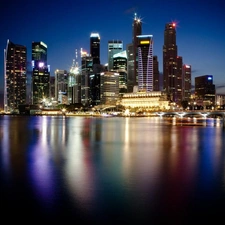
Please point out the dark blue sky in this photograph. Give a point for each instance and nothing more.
(66, 25)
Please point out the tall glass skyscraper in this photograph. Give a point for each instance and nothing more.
(132, 54)
(15, 62)
(145, 62)
(120, 66)
(95, 47)
(170, 61)
(41, 73)
(186, 82)
(114, 47)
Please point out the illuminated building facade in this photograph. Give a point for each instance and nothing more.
(145, 62)
(95, 48)
(151, 100)
(94, 89)
(86, 71)
(114, 47)
(15, 59)
(40, 74)
(132, 54)
(155, 73)
(186, 82)
(109, 88)
(61, 85)
(130, 68)
(120, 66)
(179, 86)
(205, 89)
(74, 83)
(170, 61)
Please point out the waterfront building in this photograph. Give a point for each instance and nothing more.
(61, 85)
(95, 48)
(109, 88)
(120, 66)
(114, 47)
(40, 73)
(205, 89)
(15, 71)
(145, 62)
(154, 100)
(186, 82)
(156, 80)
(220, 100)
(170, 62)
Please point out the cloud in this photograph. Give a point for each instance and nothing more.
(220, 86)
(130, 10)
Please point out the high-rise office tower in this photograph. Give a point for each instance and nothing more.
(95, 47)
(155, 73)
(205, 89)
(74, 83)
(170, 61)
(114, 46)
(145, 62)
(94, 89)
(61, 85)
(41, 73)
(186, 82)
(15, 62)
(179, 86)
(86, 71)
(130, 67)
(132, 54)
(120, 66)
(109, 88)
(137, 30)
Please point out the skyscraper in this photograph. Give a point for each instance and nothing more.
(145, 62)
(109, 88)
(95, 47)
(132, 54)
(155, 73)
(114, 46)
(179, 86)
(186, 82)
(205, 89)
(170, 61)
(41, 73)
(86, 70)
(120, 66)
(15, 60)
(61, 85)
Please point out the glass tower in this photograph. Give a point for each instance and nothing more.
(114, 47)
(15, 61)
(145, 62)
(41, 73)
(170, 61)
(95, 47)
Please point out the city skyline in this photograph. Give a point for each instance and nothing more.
(200, 30)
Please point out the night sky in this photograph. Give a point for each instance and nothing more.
(66, 26)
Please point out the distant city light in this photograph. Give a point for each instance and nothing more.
(41, 64)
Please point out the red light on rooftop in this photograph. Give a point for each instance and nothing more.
(174, 24)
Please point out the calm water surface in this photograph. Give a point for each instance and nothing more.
(111, 170)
